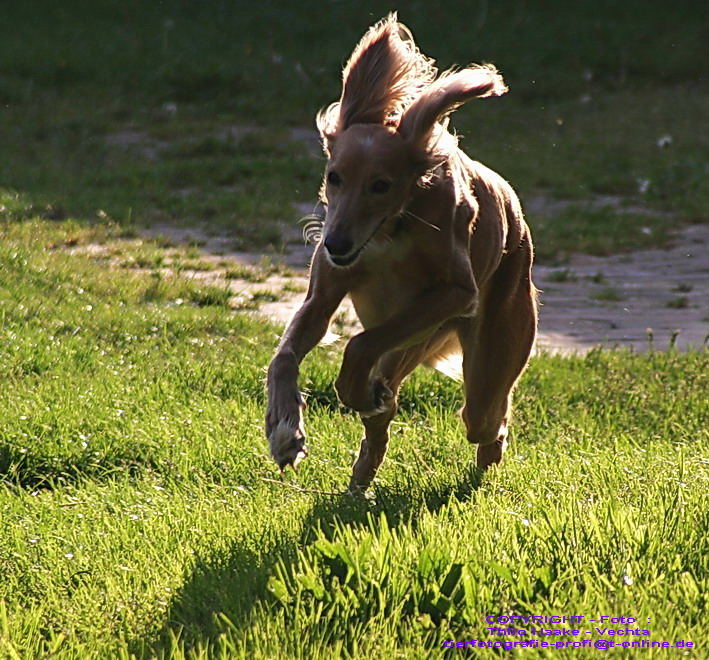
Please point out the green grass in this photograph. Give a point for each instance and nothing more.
(680, 302)
(182, 112)
(608, 294)
(562, 275)
(139, 517)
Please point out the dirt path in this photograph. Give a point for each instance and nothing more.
(627, 299)
(660, 295)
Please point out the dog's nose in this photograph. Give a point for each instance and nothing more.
(337, 245)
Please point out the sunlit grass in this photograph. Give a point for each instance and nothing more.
(140, 516)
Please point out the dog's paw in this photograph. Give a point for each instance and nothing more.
(287, 445)
(381, 397)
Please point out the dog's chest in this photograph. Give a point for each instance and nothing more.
(396, 275)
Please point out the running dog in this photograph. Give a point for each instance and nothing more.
(431, 247)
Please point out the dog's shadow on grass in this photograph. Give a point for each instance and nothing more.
(234, 583)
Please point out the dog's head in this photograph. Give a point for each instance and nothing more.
(386, 132)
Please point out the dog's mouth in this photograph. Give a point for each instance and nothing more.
(348, 259)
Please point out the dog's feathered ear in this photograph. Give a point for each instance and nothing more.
(439, 99)
(384, 73)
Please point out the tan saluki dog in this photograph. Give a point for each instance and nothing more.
(431, 246)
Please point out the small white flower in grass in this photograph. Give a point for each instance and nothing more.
(646, 230)
(643, 185)
(34, 540)
(525, 522)
(664, 141)
(69, 555)
(627, 580)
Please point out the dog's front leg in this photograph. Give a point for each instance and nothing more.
(284, 425)
(359, 385)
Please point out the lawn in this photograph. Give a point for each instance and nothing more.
(187, 112)
(142, 516)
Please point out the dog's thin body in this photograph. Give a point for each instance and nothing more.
(431, 246)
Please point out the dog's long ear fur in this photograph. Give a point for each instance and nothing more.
(421, 119)
(385, 72)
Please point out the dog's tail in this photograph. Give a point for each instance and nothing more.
(448, 359)
(451, 366)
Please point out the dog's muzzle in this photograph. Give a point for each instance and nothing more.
(346, 257)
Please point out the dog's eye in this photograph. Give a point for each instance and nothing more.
(380, 187)
(333, 178)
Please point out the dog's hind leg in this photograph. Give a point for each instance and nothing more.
(496, 346)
